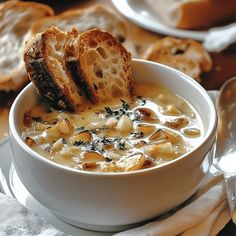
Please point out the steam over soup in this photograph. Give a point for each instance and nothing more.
(153, 127)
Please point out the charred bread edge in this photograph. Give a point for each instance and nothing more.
(46, 87)
(41, 77)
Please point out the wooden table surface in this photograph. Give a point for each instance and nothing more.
(224, 67)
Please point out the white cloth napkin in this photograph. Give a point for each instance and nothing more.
(219, 38)
(15, 220)
(205, 214)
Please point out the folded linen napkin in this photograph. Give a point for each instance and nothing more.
(205, 214)
(15, 219)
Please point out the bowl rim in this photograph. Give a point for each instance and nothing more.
(208, 135)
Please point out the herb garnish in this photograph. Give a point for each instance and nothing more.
(80, 128)
(37, 118)
(109, 111)
(63, 141)
(106, 140)
(121, 145)
(143, 102)
(125, 105)
(137, 134)
(78, 143)
(108, 159)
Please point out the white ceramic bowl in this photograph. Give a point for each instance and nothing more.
(115, 201)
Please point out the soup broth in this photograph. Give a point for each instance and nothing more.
(150, 129)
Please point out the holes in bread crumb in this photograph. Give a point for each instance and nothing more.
(81, 50)
(99, 73)
(125, 68)
(122, 75)
(58, 47)
(115, 91)
(113, 70)
(114, 60)
(93, 43)
(178, 51)
(101, 85)
(102, 52)
(121, 38)
(91, 57)
(120, 83)
(109, 43)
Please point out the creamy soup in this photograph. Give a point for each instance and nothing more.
(153, 127)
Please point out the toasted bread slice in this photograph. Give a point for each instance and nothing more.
(186, 55)
(16, 18)
(46, 67)
(103, 65)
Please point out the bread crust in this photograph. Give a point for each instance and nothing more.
(14, 28)
(95, 53)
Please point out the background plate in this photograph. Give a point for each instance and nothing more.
(140, 13)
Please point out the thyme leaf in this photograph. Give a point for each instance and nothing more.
(78, 143)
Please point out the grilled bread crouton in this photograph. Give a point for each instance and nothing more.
(103, 65)
(46, 67)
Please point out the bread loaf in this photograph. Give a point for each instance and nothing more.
(193, 14)
(16, 19)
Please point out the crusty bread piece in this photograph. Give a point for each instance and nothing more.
(103, 65)
(193, 14)
(102, 17)
(186, 55)
(16, 19)
(96, 16)
(46, 67)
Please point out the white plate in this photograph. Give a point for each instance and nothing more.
(140, 13)
(11, 185)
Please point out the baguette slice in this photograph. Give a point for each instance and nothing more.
(185, 55)
(16, 18)
(46, 67)
(103, 65)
